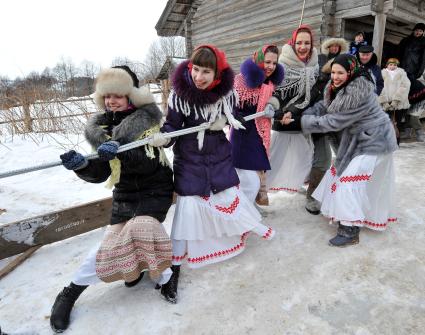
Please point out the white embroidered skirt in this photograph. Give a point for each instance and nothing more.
(249, 183)
(291, 156)
(363, 195)
(212, 229)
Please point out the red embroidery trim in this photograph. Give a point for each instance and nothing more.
(220, 253)
(333, 171)
(206, 198)
(283, 189)
(372, 224)
(353, 179)
(179, 258)
(267, 235)
(231, 208)
(333, 187)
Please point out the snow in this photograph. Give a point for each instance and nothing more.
(294, 284)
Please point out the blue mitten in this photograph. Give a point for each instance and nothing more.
(108, 150)
(73, 160)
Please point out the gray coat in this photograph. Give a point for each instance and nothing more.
(355, 112)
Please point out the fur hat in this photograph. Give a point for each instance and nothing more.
(342, 43)
(420, 26)
(122, 81)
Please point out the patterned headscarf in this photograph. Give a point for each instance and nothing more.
(351, 64)
(260, 54)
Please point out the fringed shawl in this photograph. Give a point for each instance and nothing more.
(252, 90)
(211, 105)
(299, 77)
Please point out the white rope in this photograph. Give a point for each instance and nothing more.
(124, 147)
(302, 15)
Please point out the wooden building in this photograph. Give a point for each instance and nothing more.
(240, 26)
(164, 78)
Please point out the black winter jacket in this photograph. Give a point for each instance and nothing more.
(412, 56)
(145, 186)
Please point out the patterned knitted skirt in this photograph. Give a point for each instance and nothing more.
(140, 244)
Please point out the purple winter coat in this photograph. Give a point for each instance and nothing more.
(199, 172)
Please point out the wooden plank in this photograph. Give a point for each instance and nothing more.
(18, 261)
(17, 237)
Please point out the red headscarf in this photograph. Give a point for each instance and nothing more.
(221, 62)
(295, 33)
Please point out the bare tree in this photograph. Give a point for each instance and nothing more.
(158, 52)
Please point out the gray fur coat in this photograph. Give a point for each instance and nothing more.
(355, 112)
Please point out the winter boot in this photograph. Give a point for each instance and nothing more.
(312, 205)
(262, 198)
(61, 310)
(346, 236)
(169, 290)
(134, 282)
(420, 136)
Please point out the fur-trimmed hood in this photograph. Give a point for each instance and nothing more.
(118, 81)
(187, 91)
(289, 58)
(254, 76)
(127, 126)
(343, 45)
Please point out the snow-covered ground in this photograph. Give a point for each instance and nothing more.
(294, 284)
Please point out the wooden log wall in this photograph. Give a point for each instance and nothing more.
(240, 27)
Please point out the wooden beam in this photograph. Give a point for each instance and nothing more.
(17, 237)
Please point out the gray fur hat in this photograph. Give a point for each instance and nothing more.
(122, 81)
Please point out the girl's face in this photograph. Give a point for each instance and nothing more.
(202, 76)
(392, 66)
(303, 45)
(359, 38)
(116, 103)
(334, 49)
(270, 62)
(338, 75)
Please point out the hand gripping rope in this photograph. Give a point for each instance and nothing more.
(122, 148)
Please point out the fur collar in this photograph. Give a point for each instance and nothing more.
(254, 76)
(289, 58)
(187, 91)
(128, 130)
(343, 45)
(351, 96)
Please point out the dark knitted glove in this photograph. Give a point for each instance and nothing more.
(73, 160)
(108, 150)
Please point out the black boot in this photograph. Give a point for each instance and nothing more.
(169, 290)
(312, 205)
(134, 282)
(345, 236)
(61, 310)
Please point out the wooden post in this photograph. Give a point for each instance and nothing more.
(379, 34)
(188, 38)
(27, 117)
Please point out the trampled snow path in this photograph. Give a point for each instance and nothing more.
(295, 284)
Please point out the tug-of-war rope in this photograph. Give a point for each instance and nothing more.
(124, 147)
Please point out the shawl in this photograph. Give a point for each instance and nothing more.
(255, 89)
(299, 77)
